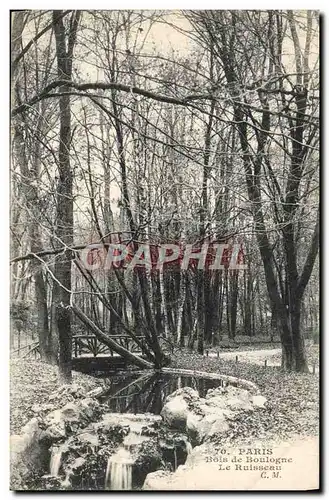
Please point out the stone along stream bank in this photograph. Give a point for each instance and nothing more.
(85, 445)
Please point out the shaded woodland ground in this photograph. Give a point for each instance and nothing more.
(292, 408)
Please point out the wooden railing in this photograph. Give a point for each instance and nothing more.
(89, 344)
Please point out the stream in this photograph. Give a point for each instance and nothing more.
(146, 394)
(128, 440)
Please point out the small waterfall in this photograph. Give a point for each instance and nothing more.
(66, 483)
(55, 461)
(119, 466)
(133, 438)
(107, 474)
(119, 471)
(188, 448)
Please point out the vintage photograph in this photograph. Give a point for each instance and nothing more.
(164, 250)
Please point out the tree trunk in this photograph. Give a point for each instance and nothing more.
(64, 230)
(200, 310)
(30, 193)
(234, 301)
(63, 320)
(180, 308)
(136, 360)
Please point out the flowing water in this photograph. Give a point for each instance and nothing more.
(119, 471)
(55, 461)
(188, 448)
(119, 466)
(135, 394)
(140, 394)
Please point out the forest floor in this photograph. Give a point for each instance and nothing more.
(31, 382)
(257, 357)
(292, 408)
(293, 399)
(270, 354)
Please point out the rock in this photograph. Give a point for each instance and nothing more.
(147, 458)
(188, 394)
(228, 395)
(43, 409)
(32, 427)
(76, 467)
(151, 429)
(80, 445)
(83, 462)
(207, 422)
(48, 482)
(209, 416)
(114, 427)
(174, 447)
(20, 444)
(203, 418)
(95, 392)
(259, 401)
(153, 478)
(237, 404)
(219, 426)
(230, 398)
(196, 474)
(89, 408)
(90, 439)
(111, 433)
(17, 444)
(174, 413)
(30, 451)
(60, 423)
(193, 423)
(197, 455)
(27, 453)
(238, 392)
(67, 393)
(55, 426)
(201, 428)
(71, 413)
(213, 393)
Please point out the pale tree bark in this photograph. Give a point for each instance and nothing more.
(180, 308)
(30, 189)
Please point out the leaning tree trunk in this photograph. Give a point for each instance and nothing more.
(105, 339)
(152, 333)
